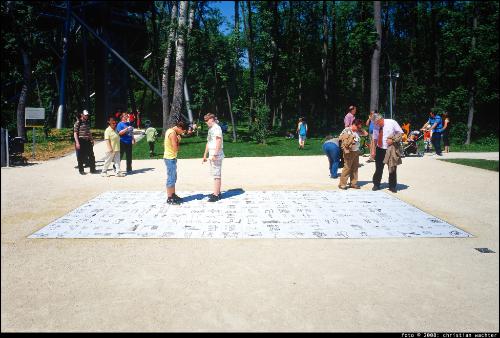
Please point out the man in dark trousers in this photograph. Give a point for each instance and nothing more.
(126, 132)
(84, 143)
(382, 130)
(435, 125)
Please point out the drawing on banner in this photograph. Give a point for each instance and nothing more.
(254, 214)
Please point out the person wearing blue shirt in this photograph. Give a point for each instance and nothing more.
(126, 132)
(332, 151)
(369, 123)
(302, 132)
(435, 125)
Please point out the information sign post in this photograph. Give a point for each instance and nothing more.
(34, 117)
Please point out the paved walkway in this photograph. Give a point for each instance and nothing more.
(404, 284)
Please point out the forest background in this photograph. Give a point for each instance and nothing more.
(272, 62)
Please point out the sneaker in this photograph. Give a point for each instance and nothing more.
(172, 201)
(177, 198)
(82, 172)
(120, 174)
(376, 187)
(214, 198)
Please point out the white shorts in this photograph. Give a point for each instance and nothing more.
(216, 167)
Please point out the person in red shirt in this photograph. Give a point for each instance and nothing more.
(132, 119)
(138, 119)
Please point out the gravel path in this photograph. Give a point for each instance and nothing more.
(404, 284)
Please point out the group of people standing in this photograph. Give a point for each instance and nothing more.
(119, 139)
(439, 127)
(385, 138)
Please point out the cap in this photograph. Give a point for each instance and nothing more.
(85, 112)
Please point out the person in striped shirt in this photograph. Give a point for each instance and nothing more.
(84, 142)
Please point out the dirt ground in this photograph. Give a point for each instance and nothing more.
(354, 285)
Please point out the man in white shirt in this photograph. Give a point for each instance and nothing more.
(215, 153)
(382, 129)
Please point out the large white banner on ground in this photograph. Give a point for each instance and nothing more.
(248, 214)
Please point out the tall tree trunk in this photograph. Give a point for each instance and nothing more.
(236, 66)
(186, 89)
(299, 108)
(472, 90)
(434, 41)
(21, 129)
(231, 114)
(166, 65)
(274, 66)
(179, 66)
(333, 65)
(251, 60)
(237, 35)
(154, 52)
(324, 60)
(374, 92)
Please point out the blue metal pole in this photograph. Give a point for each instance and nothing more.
(60, 109)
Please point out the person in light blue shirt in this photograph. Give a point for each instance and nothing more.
(302, 132)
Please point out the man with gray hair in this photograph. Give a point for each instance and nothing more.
(383, 131)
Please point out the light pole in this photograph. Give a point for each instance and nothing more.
(396, 75)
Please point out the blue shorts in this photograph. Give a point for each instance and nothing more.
(171, 172)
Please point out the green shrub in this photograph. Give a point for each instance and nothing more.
(458, 133)
(259, 129)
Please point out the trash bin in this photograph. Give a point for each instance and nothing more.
(4, 145)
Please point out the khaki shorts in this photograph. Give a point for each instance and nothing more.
(215, 167)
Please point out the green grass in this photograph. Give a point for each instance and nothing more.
(478, 163)
(193, 147)
(484, 144)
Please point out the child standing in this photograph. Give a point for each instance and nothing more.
(151, 135)
(302, 132)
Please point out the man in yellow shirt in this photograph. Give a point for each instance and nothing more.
(172, 140)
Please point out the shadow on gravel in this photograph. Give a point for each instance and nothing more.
(21, 164)
(139, 171)
(383, 186)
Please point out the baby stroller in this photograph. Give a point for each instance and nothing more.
(411, 146)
